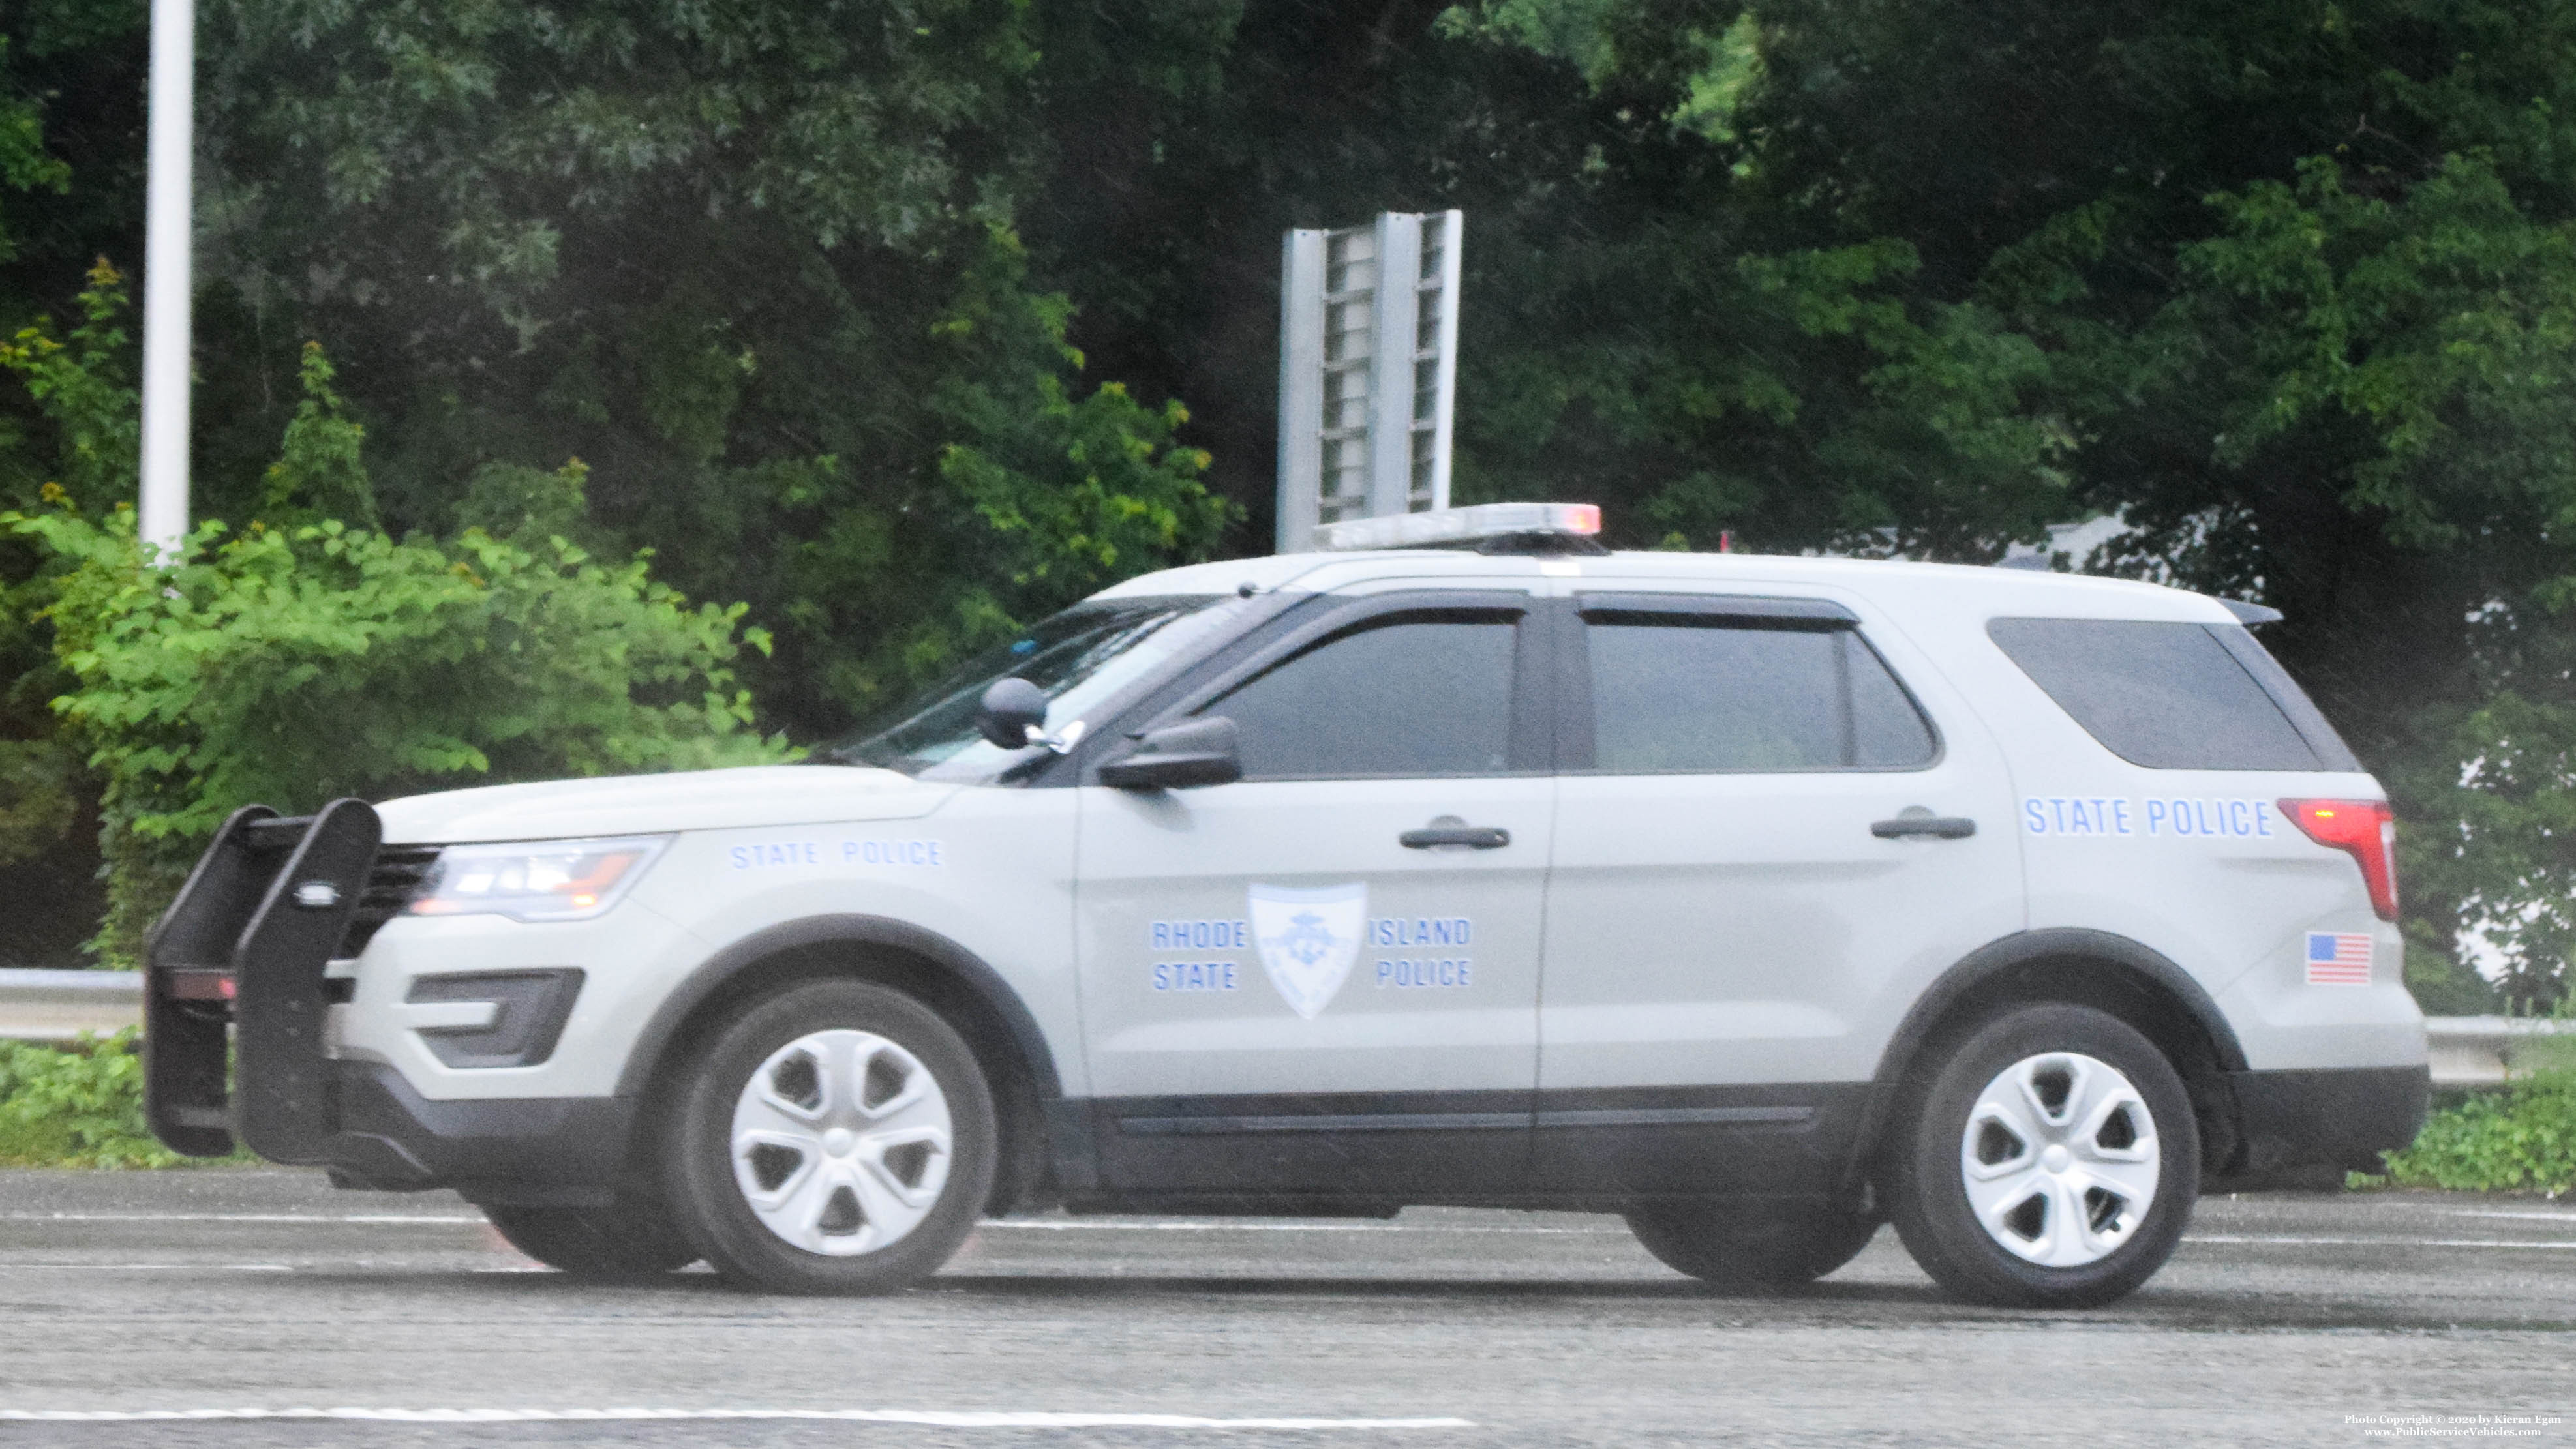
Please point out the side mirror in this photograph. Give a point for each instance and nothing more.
(1012, 712)
(1176, 757)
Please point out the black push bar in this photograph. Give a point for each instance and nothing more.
(246, 942)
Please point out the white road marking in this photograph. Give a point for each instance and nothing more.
(231, 1218)
(154, 1267)
(2377, 1242)
(1043, 1224)
(2568, 1218)
(1156, 1226)
(943, 1418)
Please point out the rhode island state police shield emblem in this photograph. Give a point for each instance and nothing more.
(1308, 939)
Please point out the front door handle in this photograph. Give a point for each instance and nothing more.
(1915, 820)
(1474, 837)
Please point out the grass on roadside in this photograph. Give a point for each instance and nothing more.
(76, 1106)
(2520, 1139)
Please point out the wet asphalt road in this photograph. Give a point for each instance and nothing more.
(2283, 1320)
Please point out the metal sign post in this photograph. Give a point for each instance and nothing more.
(1368, 369)
(168, 141)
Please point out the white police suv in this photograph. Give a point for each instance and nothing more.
(1757, 899)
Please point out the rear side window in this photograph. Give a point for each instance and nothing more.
(1676, 694)
(2170, 696)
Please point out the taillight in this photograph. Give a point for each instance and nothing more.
(2365, 828)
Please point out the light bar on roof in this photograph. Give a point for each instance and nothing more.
(1451, 527)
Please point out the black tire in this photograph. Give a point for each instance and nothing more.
(1743, 1248)
(713, 1204)
(1930, 1184)
(632, 1240)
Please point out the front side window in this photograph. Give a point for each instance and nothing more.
(1404, 695)
(1673, 694)
(1080, 657)
(2169, 696)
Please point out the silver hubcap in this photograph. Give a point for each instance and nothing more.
(841, 1142)
(2060, 1159)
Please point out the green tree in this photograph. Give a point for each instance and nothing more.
(291, 664)
(754, 263)
(70, 189)
(2300, 275)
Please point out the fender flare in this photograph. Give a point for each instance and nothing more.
(2004, 954)
(968, 969)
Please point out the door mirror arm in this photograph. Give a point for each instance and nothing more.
(1179, 757)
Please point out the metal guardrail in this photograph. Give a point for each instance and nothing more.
(2481, 1051)
(57, 1006)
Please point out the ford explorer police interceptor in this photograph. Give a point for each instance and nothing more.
(1758, 899)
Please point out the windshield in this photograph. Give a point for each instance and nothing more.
(1080, 658)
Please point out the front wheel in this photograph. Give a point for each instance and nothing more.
(837, 1137)
(2051, 1162)
(1758, 1249)
(631, 1240)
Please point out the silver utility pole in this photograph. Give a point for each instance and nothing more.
(168, 146)
(1368, 369)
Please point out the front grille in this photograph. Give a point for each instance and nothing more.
(392, 883)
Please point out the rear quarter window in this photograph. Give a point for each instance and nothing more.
(2174, 696)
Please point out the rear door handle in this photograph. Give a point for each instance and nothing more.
(1939, 827)
(1475, 837)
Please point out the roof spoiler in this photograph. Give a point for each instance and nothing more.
(2252, 616)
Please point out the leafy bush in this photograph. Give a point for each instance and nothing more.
(80, 1106)
(303, 658)
(2520, 1139)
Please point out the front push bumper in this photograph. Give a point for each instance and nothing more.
(245, 947)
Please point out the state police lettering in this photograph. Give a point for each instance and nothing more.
(1405, 973)
(1391, 973)
(2157, 816)
(1198, 936)
(1420, 931)
(777, 854)
(1194, 975)
(1411, 973)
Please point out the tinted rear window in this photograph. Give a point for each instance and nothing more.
(2166, 696)
(1676, 694)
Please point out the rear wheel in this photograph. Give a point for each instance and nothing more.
(1750, 1249)
(2051, 1162)
(630, 1240)
(837, 1137)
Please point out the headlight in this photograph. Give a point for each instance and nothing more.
(538, 880)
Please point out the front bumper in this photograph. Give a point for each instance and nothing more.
(558, 1151)
(248, 943)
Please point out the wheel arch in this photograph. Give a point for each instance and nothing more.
(962, 987)
(2112, 973)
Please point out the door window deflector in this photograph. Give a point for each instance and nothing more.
(1753, 610)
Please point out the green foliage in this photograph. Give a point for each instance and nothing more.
(2522, 1139)
(291, 665)
(80, 384)
(80, 1106)
(24, 162)
(754, 261)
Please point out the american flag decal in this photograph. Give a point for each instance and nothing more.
(2338, 958)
